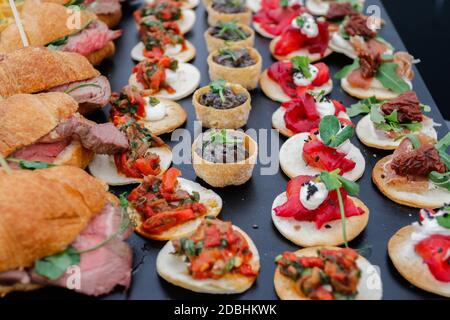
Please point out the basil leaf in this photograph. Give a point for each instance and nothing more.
(342, 136)
(351, 187)
(301, 63)
(440, 179)
(387, 75)
(331, 179)
(376, 117)
(329, 126)
(444, 220)
(53, 267)
(347, 69)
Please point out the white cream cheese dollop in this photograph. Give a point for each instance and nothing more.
(313, 194)
(301, 80)
(154, 112)
(325, 107)
(308, 26)
(172, 50)
(428, 226)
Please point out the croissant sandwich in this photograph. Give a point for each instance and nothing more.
(61, 28)
(108, 11)
(36, 69)
(46, 127)
(70, 233)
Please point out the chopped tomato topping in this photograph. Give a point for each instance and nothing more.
(128, 102)
(435, 252)
(282, 73)
(216, 249)
(273, 18)
(318, 155)
(292, 39)
(138, 168)
(151, 73)
(326, 212)
(162, 205)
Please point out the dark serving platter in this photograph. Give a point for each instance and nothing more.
(249, 206)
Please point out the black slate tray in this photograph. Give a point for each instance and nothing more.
(248, 206)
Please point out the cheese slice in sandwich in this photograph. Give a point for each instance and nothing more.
(73, 215)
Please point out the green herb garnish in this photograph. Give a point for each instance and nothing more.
(301, 64)
(347, 69)
(31, 165)
(331, 133)
(231, 27)
(218, 86)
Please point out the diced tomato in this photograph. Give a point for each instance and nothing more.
(247, 270)
(156, 52)
(311, 262)
(169, 180)
(434, 251)
(163, 221)
(213, 237)
(322, 294)
(145, 167)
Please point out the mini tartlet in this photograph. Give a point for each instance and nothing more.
(286, 80)
(157, 115)
(417, 173)
(235, 260)
(242, 66)
(420, 251)
(306, 36)
(390, 121)
(180, 207)
(359, 279)
(229, 34)
(222, 105)
(228, 10)
(238, 146)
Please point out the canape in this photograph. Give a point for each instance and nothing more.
(355, 31)
(170, 207)
(326, 148)
(232, 259)
(309, 213)
(236, 65)
(147, 154)
(227, 11)
(326, 273)
(224, 157)
(162, 38)
(306, 36)
(333, 9)
(167, 11)
(420, 251)
(304, 113)
(229, 34)
(373, 75)
(273, 16)
(285, 80)
(165, 78)
(388, 122)
(157, 115)
(417, 174)
(222, 105)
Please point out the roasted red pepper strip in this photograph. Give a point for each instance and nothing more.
(434, 251)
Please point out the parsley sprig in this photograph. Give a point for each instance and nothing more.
(218, 86)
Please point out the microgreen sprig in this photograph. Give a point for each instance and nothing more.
(218, 86)
(331, 133)
(301, 64)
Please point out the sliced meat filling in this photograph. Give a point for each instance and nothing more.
(92, 91)
(102, 269)
(92, 38)
(102, 6)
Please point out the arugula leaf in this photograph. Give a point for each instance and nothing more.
(31, 165)
(347, 69)
(440, 179)
(425, 107)
(301, 64)
(413, 126)
(387, 75)
(414, 140)
(442, 147)
(361, 107)
(218, 86)
(376, 117)
(393, 117)
(444, 220)
(53, 267)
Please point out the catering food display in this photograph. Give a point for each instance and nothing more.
(215, 163)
